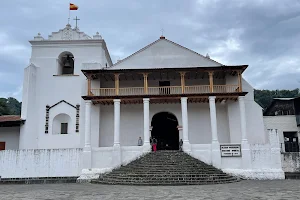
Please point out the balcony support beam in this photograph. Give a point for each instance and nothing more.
(89, 85)
(240, 81)
(145, 83)
(117, 83)
(211, 81)
(182, 74)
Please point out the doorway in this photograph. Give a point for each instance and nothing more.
(2, 146)
(164, 87)
(291, 141)
(165, 131)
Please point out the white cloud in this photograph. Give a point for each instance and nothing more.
(16, 93)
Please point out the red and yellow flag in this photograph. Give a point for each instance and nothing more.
(73, 6)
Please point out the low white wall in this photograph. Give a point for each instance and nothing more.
(261, 156)
(263, 162)
(11, 137)
(202, 152)
(290, 162)
(131, 153)
(283, 123)
(40, 163)
(102, 157)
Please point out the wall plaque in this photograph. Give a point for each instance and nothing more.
(231, 150)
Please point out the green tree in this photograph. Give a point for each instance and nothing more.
(4, 110)
(10, 106)
(265, 97)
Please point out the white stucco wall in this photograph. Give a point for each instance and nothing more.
(40, 163)
(29, 132)
(41, 87)
(54, 139)
(283, 123)
(256, 132)
(131, 127)
(290, 162)
(11, 136)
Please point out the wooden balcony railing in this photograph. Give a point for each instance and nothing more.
(167, 90)
(164, 90)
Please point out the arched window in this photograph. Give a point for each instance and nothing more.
(65, 63)
(61, 124)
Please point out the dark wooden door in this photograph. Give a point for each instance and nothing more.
(164, 87)
(2, 146)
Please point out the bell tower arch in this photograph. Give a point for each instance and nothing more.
(65, 63)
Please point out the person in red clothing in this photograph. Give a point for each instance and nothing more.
(154, 144)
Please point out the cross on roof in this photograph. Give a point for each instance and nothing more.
(76, 21)
(162, 32)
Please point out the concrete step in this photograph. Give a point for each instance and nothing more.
(152, 183)
(171, 177)
(166, 168)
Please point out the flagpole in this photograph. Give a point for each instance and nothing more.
(69, 14)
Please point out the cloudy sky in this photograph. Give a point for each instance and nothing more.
(265, 34)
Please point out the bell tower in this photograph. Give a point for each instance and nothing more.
(54, 76)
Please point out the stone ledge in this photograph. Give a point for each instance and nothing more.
(38, 180)
(292, 175)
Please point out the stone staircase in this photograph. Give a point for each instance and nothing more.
(166, 168)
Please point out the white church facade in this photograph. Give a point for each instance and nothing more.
(75, 98)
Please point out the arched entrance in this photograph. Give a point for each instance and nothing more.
(164, 129)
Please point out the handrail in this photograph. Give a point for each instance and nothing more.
(164, 90)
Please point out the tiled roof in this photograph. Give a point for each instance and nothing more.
(10, 118)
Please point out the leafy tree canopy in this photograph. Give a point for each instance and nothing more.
(10, 106)
(265, 97)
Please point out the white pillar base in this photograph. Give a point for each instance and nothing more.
(246, 155)
(87, 158)
(146, 147)
(117, 159)
(215, 154)
(186, 147)
(89, 174)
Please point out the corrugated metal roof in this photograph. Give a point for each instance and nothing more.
(285, 99)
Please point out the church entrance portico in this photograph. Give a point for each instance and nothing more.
(164, 129)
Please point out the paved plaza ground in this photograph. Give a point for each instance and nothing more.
(283, 189)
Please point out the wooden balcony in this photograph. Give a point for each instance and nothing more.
(166, 94)
(164, 91)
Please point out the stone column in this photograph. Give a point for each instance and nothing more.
(246, 154)
(117, 122)
(117, 160)
(185, 125)
(180, 132)
(215, 145)
(213, 119)
(243, 118)
(278, 173)
(87, 125)
(146, 146)
(87, 150)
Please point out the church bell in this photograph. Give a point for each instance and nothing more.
(67, 63)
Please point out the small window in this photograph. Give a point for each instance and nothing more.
(2, 146)
(64, 128)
